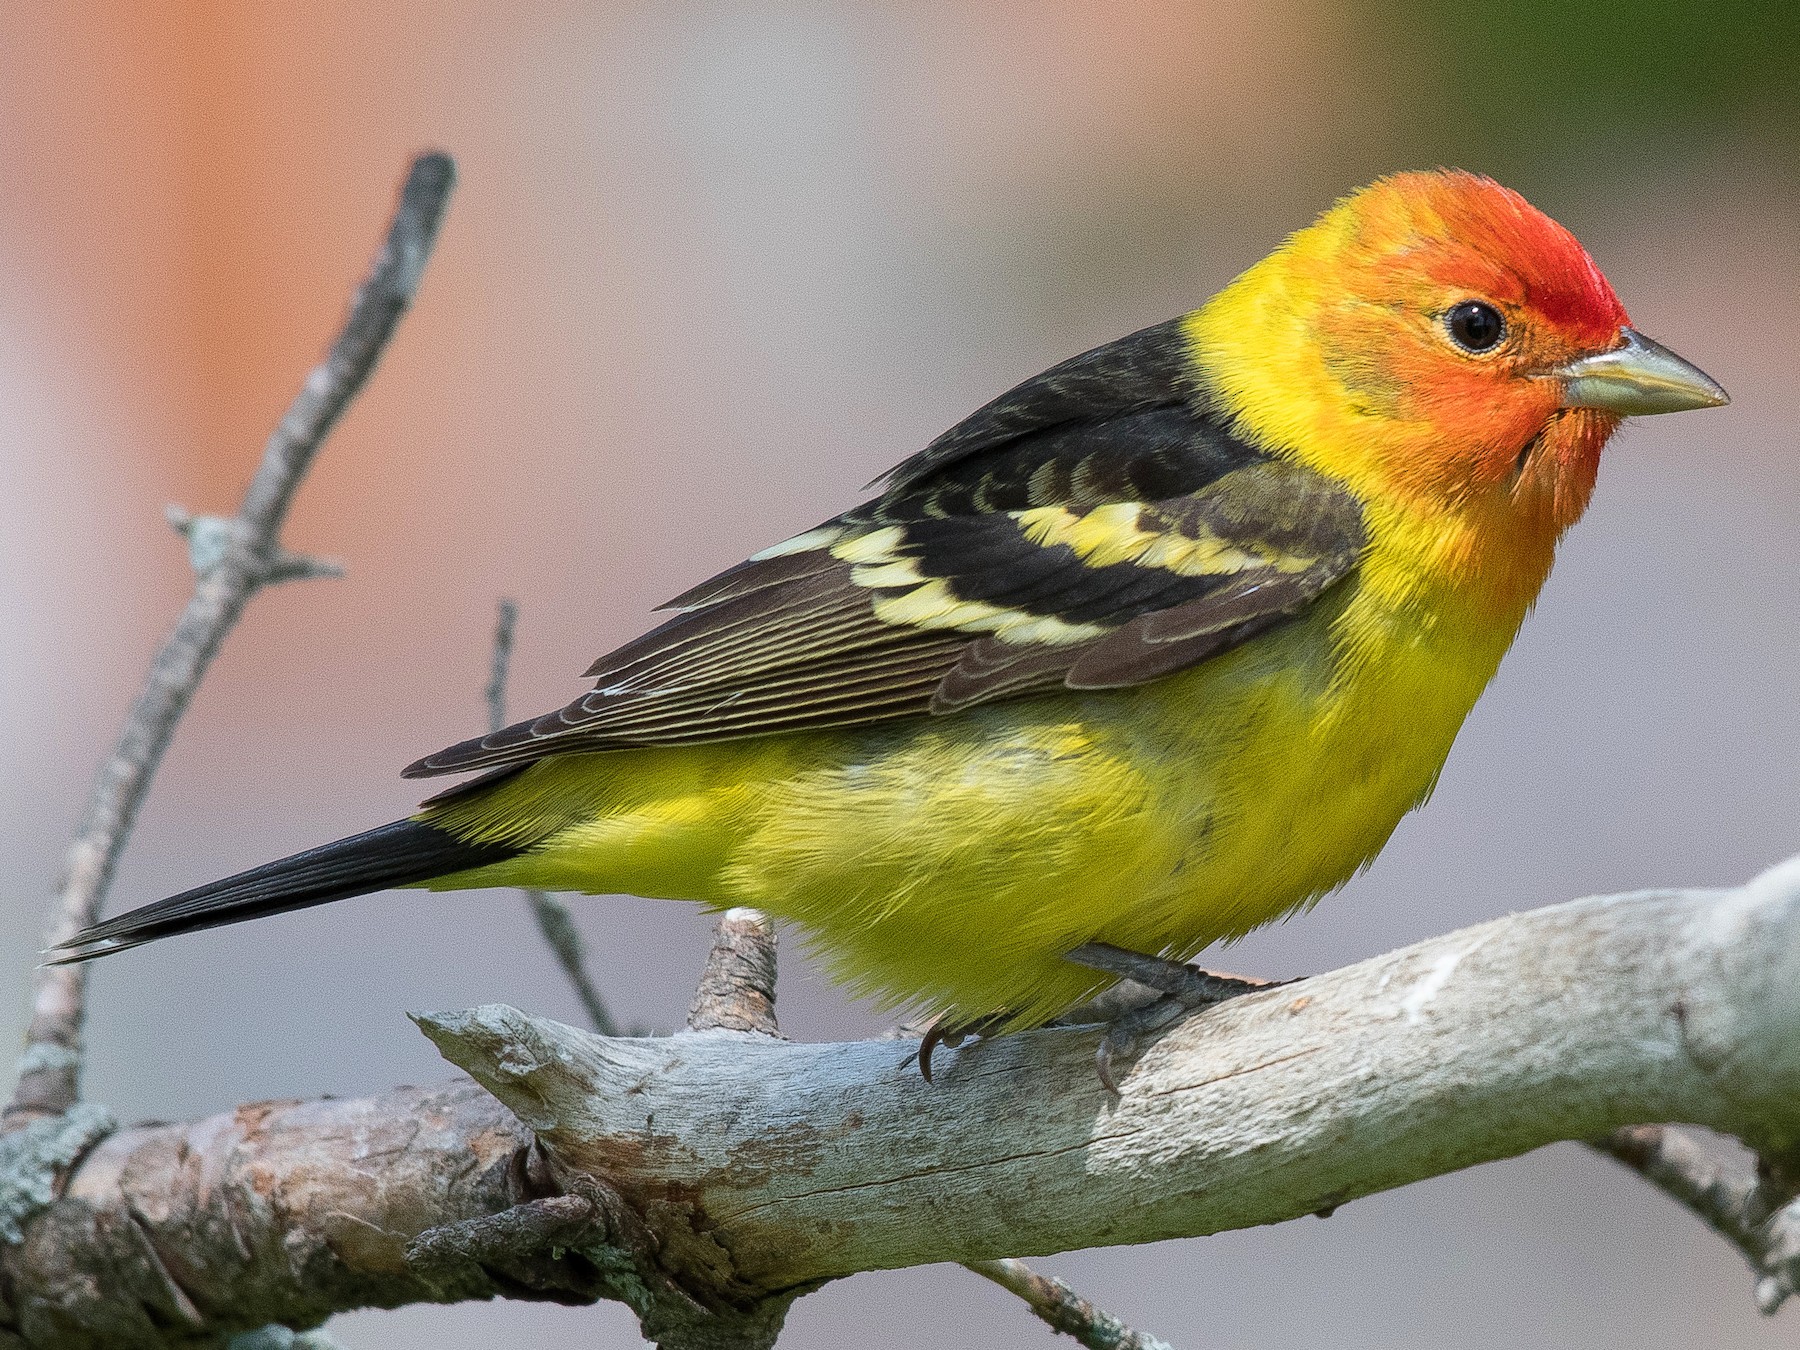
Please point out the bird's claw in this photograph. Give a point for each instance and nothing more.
(951, 1034)
(1123, 1032)
(1182, 989)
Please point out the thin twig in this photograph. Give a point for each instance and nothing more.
(1063, 1309)
(1751, 1210)
(232, 559)
(553, 918)
(506, 626)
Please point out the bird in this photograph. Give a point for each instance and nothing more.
(1151, 650)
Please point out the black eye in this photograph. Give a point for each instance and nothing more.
(1475, 327)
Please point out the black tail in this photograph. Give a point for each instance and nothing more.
(393, 855)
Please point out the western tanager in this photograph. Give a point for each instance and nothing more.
(1153, 649)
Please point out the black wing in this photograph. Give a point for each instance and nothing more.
(1095, 527)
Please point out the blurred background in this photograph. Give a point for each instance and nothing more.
(710, 269)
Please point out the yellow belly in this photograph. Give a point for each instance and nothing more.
(950, 862)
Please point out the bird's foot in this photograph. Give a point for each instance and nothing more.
(1179, 989)
(952, 1034)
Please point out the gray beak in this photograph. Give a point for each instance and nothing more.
(1637, 378)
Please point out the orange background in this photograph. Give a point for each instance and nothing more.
(712, 267)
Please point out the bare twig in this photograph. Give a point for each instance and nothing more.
(506, 626)
(233, 559)
(1063, 1309)
(1749, 1209)
(558, 928)
(553, 918)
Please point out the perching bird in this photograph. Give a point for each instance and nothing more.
(1153, 649)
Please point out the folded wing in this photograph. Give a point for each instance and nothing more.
(1094, 528)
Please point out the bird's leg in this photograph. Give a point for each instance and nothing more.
(1181, 988)
(1176, 988)
(1192, 986)
(952, 1034)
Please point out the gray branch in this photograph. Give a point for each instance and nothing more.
(737, 993)
(1755, 1210)
(1565, 1023)
(716, 1174)
(233, 559)
(1063, 1309)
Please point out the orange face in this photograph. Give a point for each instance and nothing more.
(1422, 340)
(1460, 305)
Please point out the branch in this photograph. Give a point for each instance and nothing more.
(737, 993)
(1753, 1210)
(727, 1171)
(808, 1162)
(1063, 1309)
(232, 559)
(278, 1212)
